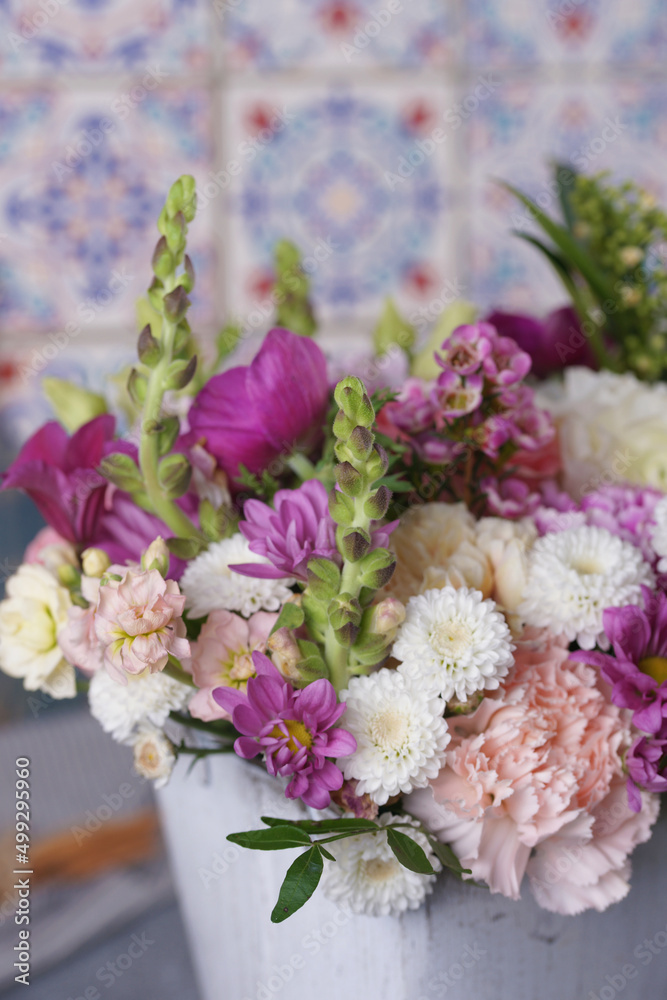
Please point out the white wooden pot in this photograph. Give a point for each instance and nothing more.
(465, 943)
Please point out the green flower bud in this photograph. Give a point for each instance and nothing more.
(323, 578)
(350, 394)
(378, 503)
(360, 443)
(174, 232)
(122, 471)
(355, 543)
(341, 508)
(345, 618)
(378, 463)
(136, 387)
(180, 373)
(350, 481)
(342, 426)
(174, 474)
(163, 262)
(148, 348)
(155, 294)
(176, 304)
(376, 568)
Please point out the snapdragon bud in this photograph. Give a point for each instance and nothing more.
(95, 562)
(285, 653)
(387, 616)
(156, 556)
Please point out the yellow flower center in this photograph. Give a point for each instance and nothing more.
(655, 667)
(297, 732)
(451, 638)
(389, 730)
(380, 870)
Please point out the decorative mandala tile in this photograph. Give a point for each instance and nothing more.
(533, 32)
(82, 179)
(42, 37)
(620, 127)
(337, 34)
(359, 180)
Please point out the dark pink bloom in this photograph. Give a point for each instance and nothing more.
(411, 412)
(293, 729)
(639, 640)
(552, 343)
(298, 529)
(646, 761)
(531, 427)
(252, 414)
(59, 474)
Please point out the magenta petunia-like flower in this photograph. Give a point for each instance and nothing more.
(59, 474)
(637, 671)
(251, 414)
(552, 343)
(293, 729)
(298, 529)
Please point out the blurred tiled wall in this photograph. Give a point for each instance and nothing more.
(368, 131)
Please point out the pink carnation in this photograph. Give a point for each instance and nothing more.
(78, 639)
(222, 656)
(543, 753)
(138, 623)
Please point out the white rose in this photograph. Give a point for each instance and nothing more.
(611, 428)
(31, 616)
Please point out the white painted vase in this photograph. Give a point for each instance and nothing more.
(464, 944)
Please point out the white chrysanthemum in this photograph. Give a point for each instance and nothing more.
(154, 756)
(453, 643)
(400, 732)
(367, 877)
(659, 536)
(209, 584)
(120, 708)
(574, 575)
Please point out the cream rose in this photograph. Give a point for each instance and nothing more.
(31, 616)
(611, 428)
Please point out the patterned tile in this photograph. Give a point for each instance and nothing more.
(358, 179)
(534, 32)
(42, 37)
(337, 34)
(82, 178)
(621, 127)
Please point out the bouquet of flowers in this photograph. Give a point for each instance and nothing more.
(427, 597)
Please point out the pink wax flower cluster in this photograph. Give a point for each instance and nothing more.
(295, 730)
(542, 754)
(637, 673)
(138, 623)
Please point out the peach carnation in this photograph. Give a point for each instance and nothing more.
(541, 754)
(435, 547)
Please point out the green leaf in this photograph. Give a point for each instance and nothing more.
(72, 404)
(446, 856)
(291, 616)
(408, 852)
(568, 247)
(315, 826)
(301, 881)
(121, 470)
(184, 548)
(276, 838)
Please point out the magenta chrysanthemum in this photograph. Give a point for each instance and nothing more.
(293, 729)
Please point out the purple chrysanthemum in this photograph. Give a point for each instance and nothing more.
(646, 761)
(637, 671)
(293, 729)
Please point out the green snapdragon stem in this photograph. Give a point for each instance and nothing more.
(335, 655)
(167, 510)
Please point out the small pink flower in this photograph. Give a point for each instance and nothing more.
(507, 363)
(456, 396)
(138, 623)
(222, 656)
(467, 349)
